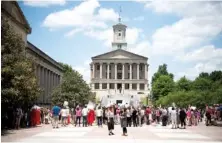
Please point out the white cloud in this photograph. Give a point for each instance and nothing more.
(142, 48)
(43, 3)
(84, 70)
(209, 66)
(197, 25)
(83, 16)
(73, 32)
(203, 54)
(207, 59)
(139, 18)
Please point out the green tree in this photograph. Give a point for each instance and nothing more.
(183, 84)
(204, 75)
(202, 84)
(72, 89)
(19, 83)
(162, 70)
(162, 86)
(216, 76)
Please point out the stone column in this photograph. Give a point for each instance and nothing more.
(138, 71)
(59, 78)
(131, 73)
(39, 74)
(123, 72)
(101, 67)
(107, 70)
(145, 87)
(123, 87)
(49, 88)
(56, 79)
(138, 86)
(107, 85)
(93, 66)
(145, 74)
(45, 84)
(115, 71)
(115, 86)
(100, 86)
(42, 83)
(130, 86)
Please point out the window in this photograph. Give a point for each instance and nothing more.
(127, 86)
(96, 85)
(98, 67)
(111, 86)
(119, 34)
(119, 46)
(119, 67)
(119, 75)
(134, 86)
(141, 67)
(104, 86)
(141, 86)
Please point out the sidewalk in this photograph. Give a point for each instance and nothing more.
(13, 135)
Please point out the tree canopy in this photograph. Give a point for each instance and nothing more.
(19, 82)
(72, 89)
(205, 89)
(162, 82)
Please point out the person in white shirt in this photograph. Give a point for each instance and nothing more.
(64, 116)
(128, 115)
(142, 113)
(174, 118)
(99, 113)
(84, 115)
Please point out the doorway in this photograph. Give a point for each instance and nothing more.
(119, 87)
(119, 102)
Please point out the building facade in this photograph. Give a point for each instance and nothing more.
(119, 72)
(48, 71)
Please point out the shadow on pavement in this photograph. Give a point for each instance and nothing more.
(5, 132)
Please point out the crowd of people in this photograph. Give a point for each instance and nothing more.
(129, 116)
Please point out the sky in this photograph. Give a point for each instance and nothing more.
(187, 36)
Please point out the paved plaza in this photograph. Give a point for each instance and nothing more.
(154, 134)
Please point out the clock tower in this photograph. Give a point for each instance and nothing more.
(119, 35)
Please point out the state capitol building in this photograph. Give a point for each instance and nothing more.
(119, 73)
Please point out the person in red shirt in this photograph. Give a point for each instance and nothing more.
(91, 117)
(148, 111)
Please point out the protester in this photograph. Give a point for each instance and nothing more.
(18, 115)
(91, 117)
(64, 116)
(182, 115)
(78, 115)
(55, 114)
(84, 116)
(110, 120)
(164, 117)
(134, 116)
(123, 120)
(128, 115)
(99, 116)
(174, 118)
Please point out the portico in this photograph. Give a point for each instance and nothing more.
(121, 75)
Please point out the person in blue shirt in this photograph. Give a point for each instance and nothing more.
(55, 114)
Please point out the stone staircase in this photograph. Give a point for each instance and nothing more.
(126, 98)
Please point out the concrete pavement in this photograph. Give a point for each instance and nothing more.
(154, 134)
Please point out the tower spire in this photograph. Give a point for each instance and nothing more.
(120, 10)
